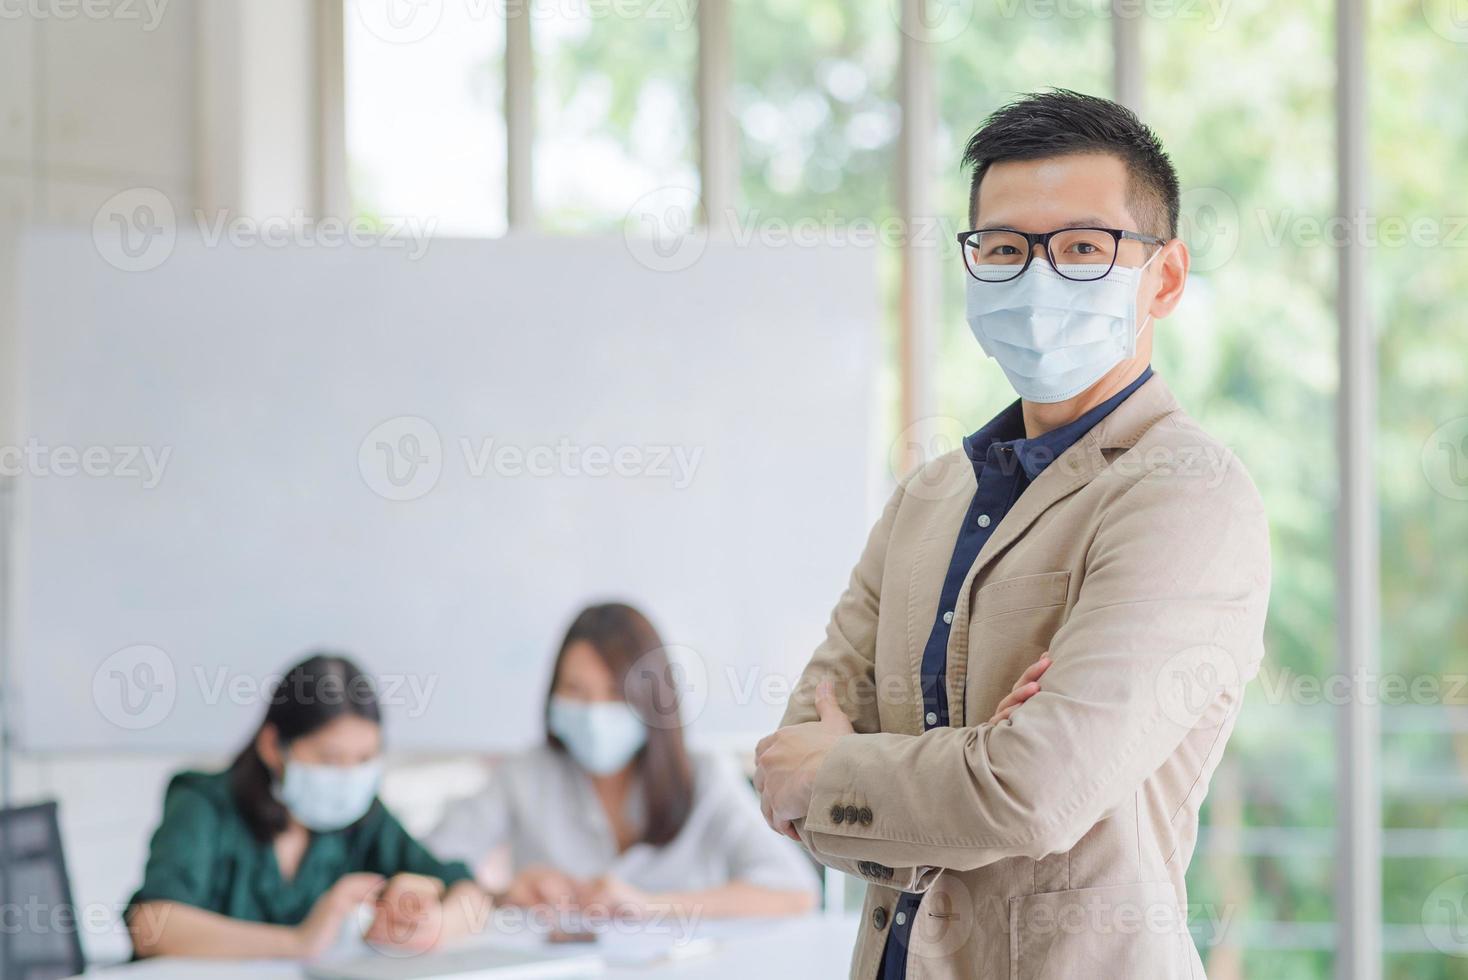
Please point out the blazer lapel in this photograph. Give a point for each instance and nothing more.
(953, 491)
(1079, 465)
(1072, 470)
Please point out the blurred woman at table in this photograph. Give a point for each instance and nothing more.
(612, 811)
(270, 857)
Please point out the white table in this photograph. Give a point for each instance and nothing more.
(794, 949)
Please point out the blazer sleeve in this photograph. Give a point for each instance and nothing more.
(1176, 584)
(847, 656)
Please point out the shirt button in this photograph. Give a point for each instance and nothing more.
(948, 616)
(983, 520)
(931, 718)
(838, 813)
(879, 918)
(900, 918)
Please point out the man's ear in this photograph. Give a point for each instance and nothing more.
(1170, 266)
(267, 746)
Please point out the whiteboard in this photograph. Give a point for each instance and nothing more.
(430, 464)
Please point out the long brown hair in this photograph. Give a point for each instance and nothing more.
(631, 648)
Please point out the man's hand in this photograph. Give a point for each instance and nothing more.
(1025, 688)
(787, 761)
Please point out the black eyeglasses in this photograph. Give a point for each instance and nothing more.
(1080, 254)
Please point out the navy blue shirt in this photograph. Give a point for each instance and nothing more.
(1005, 463)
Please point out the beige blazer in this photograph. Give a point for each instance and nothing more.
(1053, 844)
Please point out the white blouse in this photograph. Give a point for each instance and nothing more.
(544, 807)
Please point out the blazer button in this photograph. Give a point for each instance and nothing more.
(865, 816)
(838, 813)
(852, 814)
(879, 918)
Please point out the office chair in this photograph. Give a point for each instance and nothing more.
(39, 935)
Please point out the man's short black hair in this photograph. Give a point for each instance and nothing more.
(1060, 122)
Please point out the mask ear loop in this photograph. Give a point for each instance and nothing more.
(1141, 269)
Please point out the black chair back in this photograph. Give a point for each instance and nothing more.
(39, 937)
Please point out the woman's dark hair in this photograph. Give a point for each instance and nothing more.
(311, 695)
(629, 645)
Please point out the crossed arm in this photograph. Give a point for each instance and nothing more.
(1175, 588)
(812, 740)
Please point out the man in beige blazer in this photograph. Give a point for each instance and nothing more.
(1091, 541)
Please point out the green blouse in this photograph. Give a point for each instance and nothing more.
(204, 855)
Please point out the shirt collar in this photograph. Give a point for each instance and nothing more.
(1007, 431)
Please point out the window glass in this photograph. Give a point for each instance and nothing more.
(615, 119)
(425, 114)
(1252, 354)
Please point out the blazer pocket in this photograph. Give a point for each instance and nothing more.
(1132, 930)
(1020, 593)
(1012, 622)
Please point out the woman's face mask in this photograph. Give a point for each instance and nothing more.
(602, 736)
(326, 798)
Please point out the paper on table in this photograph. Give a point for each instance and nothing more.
(646, 950)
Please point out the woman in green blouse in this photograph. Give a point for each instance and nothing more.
(271, 856)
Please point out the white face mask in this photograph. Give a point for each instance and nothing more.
(602, 736)
(327, 798)
(1055, 337)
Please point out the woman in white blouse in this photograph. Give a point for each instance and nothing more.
(612, 811)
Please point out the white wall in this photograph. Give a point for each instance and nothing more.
(212, 102)
(214, 359)
(87, 108)
(256, 106)
(90, 108)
